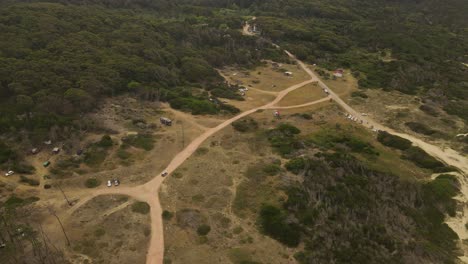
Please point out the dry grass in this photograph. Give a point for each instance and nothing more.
(107, 231)
(267, 78)
(305, 94)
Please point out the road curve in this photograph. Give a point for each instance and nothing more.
(148, 192)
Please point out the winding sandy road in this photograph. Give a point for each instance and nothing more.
(148, 192)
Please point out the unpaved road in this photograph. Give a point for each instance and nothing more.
(148, 192)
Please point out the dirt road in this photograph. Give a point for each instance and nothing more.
(148, 192)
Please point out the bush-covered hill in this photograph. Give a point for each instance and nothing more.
(57, 61)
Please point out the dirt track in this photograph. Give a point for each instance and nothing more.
(148, 192)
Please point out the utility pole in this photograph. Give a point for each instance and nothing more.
(66, 198)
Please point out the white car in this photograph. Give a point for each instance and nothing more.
(109, 183)
(9, 173)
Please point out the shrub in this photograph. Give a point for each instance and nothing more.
(245, 125)
(359, 94)
(105, 142)
(271, 169)
(273, 223)
(140, 207)
(429, 110)
(94, 157)
(92, 183)
(47, 186)
(167, 215)
(142, 141)
(29, 181)
(393, 141)
(203, 230)
(296, 165)
(420, 128)
(422, 159)
(123, 154)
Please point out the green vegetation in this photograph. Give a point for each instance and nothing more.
(10, 160)
(140, 207)
(381, 49)
(203, 230)
(105, 142)
(283, 139)
(15, 201)
(32, 182)
(341, 140)
(424, 160)
(393, 141)
(360, 94)
(51, 75)
(273, 223)
(296, 165)
(245, 125)
(420, 128)
(141, 141)
(167, 215)
(92, 183)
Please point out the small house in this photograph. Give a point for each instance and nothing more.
(165, 121)
(288, 73)
(338, 73)
(55, 150)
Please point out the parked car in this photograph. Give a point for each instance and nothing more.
(9, 173)
(109, 183)
(46, 164)
(116, 182)
(164, 174)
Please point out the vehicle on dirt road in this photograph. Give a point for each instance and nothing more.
(116, 182)
(9, 173)
(164, 174)
(109, 183)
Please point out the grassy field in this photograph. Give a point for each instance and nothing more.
(108, 230)
(305, 94)
(267, 77)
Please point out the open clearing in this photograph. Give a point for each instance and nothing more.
(305, 94)
(267, 77)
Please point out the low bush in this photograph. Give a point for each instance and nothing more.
(29, 181)
(360, 94)
(123, 154)
(422, 159)
(273, 223)
(92, 183)
(420, 128)
(203, 230)
(296, 165)
(167, 215)
(142, 141)
(393, 141)
(245, 125)
(429, 110)
(271, 169)
(140, 207)
(105, 142)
